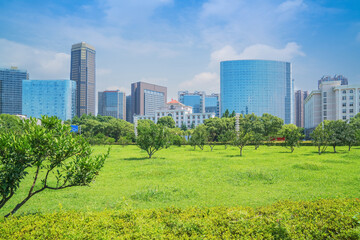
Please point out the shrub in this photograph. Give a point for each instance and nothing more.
(322, 219)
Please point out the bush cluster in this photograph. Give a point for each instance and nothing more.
(322, 219)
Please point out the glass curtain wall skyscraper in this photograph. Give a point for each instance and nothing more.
(11, 90)
(200, 102)
(257, 86)
(112, 103)
(83, 73)
(49, 97)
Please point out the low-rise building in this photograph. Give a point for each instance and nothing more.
(332, 101)
(182, 115)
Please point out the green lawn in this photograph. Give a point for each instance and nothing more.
(182, 177)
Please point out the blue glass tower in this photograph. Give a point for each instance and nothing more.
(11, 90)
(112, 103)
(49, 97)
(257, 86)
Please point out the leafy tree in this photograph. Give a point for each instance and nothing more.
(292, 135)
(166, 121)
(192, 125)
(352, 132)
(48, 150)
(257, 128)
(227, 137)
(10, 123)
(226, 114)
(244, 135)
(338, 129)
(272, 125)
(199, 137)
(321, 136)
(233, 114)
(151, 137)
(183, 126)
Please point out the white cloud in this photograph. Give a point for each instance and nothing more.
(220, 8)
(209, 81)
(39, 63)
(291, 5)
(257, 51)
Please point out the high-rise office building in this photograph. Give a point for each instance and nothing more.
(128, 108)
(49, 97)
(83, 73)
(112, 103)
(333, 101)
(300, 97)
(146, 98)
(341, 78)
(200, 102)
(257, 86)
(11, 90)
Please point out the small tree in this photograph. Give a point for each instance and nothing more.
(199, 137)
(338, 130)
(227, 137)
(244, 135)
(183, 127)
(166, 121)
(292, 135)
(352, 132)
(52, 151)
(152, 137)
(272, 125)
(321, 136)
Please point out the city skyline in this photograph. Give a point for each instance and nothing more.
(180, 44)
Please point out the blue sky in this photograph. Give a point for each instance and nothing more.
(179, 43)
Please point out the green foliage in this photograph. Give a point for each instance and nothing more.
(338, 130)
(292, 135)
(10, 123)
(321, 136)
(272, 125)
(199, 137)
(183, 127)
(322, 219)
(152, 137)
(166, 121)
(102, 129)
(47, 147)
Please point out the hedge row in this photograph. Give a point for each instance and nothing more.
(322, 219)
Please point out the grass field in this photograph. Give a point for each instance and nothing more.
(182, 177)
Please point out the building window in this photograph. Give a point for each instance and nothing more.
(344, 110)
(351, 116)
(325, 94)
(325, 113)
(325, 118)
(351, 110)
(344, 91)
(343, 97)
(325, 107)
(344, 104)
(351, 104)
(351, 91)
(351, 97)
(325, 101)
(344, 117)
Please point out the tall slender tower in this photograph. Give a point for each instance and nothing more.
(83, 73)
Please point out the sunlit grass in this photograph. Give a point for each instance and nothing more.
(182, 177)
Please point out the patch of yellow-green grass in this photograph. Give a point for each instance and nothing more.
(181, 177)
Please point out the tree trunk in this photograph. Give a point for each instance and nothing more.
(319, 149)
(241, 152)
(225, 146)
(334, 146)
(292, 149)
(18, 206)
(349, 147)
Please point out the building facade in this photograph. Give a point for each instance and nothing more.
(341, 78)
(112, 103)
(257, 86)
(200, 102)
(83, 73)
(181, 114)
(128, 109)
(11, 90)
(146, 98)
(333, 101)
(300, 97)
(49, 97)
